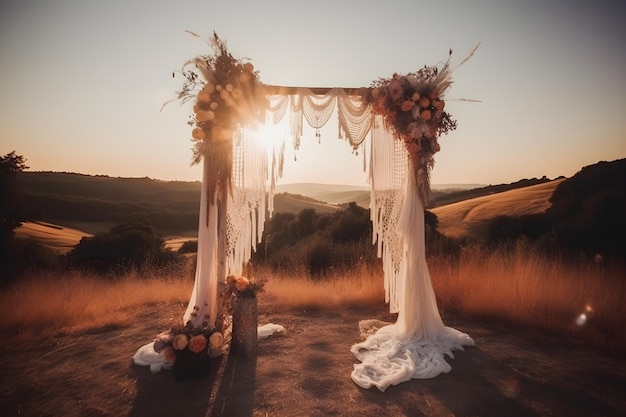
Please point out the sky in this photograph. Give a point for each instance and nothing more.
(82, 82)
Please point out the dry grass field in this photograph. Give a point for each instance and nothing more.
(60, 239)
(67, 344)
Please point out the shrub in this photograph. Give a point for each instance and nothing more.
(127, 246)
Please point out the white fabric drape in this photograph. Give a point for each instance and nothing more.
(202, 303)
(413, 347)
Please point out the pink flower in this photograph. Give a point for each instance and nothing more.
(395, 89)
(197, 343)
(407, 105)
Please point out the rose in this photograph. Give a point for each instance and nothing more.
(180, 341)
(395, 89)
(197, 343)
(242, 283)
(204, 96)
(197, 133)
(216, 340)
(407, 105)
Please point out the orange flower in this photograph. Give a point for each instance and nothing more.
(426, 114)
(209, 88)
(242, 283)
(197, 133)
(407, 105)
(244, 77)
(216, 340)
(424, 102)
(179, 342)
(204, 96)
(197, 343)
(204, 116)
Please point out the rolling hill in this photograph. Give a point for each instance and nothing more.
(466, 217)
(455, 220)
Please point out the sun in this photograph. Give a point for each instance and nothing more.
(270, 136)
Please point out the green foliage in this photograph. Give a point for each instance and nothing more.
(189, 246)
(25, 256)
(63, 198)
(11, 212)
(586, 216)
(588, 209)
(320, 244)
(350, 225)
(134, 245)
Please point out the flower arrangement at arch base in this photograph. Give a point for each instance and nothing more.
(190, 349)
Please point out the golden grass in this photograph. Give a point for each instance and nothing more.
(522, 287)
(58, 238)
(79, 301)
(516, 287)
(361, 288)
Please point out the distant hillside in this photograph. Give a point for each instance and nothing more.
(440, 196)
(329, 193)
(295, 203)
(94, 203)
(469, 217)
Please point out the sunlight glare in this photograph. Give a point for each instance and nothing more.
(270, 136)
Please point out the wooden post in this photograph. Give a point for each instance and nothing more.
(245, 322)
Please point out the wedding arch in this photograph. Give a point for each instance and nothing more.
(404, 116)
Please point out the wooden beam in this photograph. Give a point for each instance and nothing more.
(285, 91)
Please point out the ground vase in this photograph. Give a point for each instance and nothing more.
(245, 323)
(189, 365)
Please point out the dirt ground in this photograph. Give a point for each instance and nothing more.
(306, 372)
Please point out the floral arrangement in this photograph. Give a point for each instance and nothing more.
(228, 96)
(413, 106)
(241, 287)
(202, 341)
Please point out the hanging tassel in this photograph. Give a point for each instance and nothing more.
(364, 156)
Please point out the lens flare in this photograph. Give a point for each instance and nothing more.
(581, 320)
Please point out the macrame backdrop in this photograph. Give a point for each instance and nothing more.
(413, 347)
